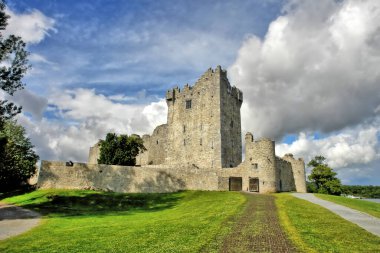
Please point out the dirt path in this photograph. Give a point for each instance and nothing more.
(258, 229)
(16, 220)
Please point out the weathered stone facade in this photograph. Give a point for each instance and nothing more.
(200, 147)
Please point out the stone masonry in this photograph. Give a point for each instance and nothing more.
(200, 148)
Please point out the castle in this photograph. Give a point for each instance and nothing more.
(200, 148)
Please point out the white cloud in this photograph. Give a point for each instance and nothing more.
(354, 153)
(83, 117)
(32, 26)
(156, 113)
(315, 70)
(348, 148)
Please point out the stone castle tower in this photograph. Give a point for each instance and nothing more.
(203, 137)
(204, 122)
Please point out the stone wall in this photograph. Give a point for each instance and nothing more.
(262, 153)
(200, 132)
(246, 171)
(143, 157)
(285, 174)
(156, 147)
(157, 178)
(194, 123)
(230, 126)
(298, 167)
(94, 154)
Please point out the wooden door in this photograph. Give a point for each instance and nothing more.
(236, 184)
(254, 185)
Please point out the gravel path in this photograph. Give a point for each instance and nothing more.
(258, 229)
(368, 222)
(16, 220)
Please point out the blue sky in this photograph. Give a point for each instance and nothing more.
(308, 70)
(132, 45)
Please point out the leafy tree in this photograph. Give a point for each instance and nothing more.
(323, 177)
(120, 150)
(18, 161)
(13, 66)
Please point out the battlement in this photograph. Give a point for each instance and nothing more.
(210, 78)
(249, 139)
(290, 156)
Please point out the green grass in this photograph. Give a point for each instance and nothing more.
(371, 208)
(88, 221)
(313, 228)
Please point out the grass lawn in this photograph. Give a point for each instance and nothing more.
(88, 221)
(371, 208)
(313, 228)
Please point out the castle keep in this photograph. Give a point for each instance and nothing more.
(200, 148)
(203, 125)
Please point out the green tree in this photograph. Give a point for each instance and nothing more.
(18, 161)
(323, 177)
(17, 158)
(120, 150)
(14, 64)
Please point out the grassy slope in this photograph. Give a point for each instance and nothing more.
(85, 221)
(315, 229)
(371, 208)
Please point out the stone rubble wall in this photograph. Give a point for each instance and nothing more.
(54, 174)
(285, 174)
(94, 154)
(298, 167)
(194, 133)
(156, 147)
(262, 153)
(230, 126)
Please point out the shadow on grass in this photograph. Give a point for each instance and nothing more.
(99, 203)
(21, 190)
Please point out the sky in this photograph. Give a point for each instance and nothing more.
(309, 72)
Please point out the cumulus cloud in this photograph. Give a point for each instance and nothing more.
(354, 150)
(32, 27)
(78, 118)
(315, 70)
(347, 148)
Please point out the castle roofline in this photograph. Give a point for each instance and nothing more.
(171, 94)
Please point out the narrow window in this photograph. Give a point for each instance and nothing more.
(212, 144)
(200, 141)
(232, 124)
(184, 128)
(157, 142)
(188, 104)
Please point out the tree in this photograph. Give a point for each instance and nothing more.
(13, 66)
(323, 177)
(18, 161)
(120, 150)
